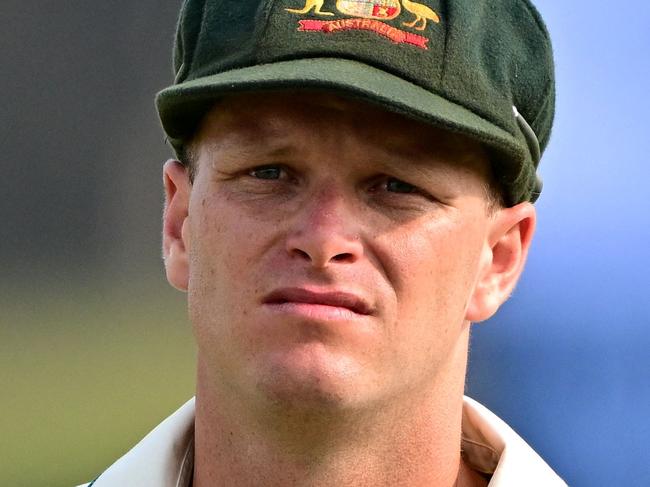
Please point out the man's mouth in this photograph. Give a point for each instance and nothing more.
(334, 299)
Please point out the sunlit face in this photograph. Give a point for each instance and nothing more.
(333, 248)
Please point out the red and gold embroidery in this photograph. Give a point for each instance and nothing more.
(369, 15)
(398, 36)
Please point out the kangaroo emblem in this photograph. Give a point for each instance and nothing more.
(316, 5)
(422, 14)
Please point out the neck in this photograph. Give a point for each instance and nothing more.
(412, 441)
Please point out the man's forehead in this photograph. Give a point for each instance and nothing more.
(272, 116)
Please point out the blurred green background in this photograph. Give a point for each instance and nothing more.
(95, 347)
(86, 373)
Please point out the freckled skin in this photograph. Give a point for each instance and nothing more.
(414, 258)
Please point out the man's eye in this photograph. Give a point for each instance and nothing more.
(266, 172)
(396, 186)
(393, 190)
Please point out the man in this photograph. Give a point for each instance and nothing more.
(353, 189)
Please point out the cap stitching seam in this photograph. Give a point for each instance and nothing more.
(532, 10)
(443, 68)
(199, 35)
(262, 29)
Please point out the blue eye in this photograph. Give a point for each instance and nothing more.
(396, 186)
(266, 172)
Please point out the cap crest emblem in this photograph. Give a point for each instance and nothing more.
(369, 16)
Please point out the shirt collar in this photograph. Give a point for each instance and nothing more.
(490, 446)
(165, 457)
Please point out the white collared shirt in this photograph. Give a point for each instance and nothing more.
(165, 457)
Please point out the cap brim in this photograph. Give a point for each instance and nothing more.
(182, 106)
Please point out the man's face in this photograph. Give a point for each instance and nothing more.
(334, 249)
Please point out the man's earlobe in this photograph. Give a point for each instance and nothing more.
(175, 224)
(503, 260)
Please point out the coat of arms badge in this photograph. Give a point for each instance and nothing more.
(368, 15)
(370, 9)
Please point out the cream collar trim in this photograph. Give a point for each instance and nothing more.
(165, 457)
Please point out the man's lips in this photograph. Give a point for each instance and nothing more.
(335, 299)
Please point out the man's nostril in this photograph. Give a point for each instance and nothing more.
(302, 253)
(342, 257)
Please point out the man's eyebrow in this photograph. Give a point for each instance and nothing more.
(272, 152)
(417, 148)
(249, 145)
(407, 156)
(244, 134)
(281, 151)
(404, 151)
(425, 155)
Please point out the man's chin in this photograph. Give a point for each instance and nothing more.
(304, 381)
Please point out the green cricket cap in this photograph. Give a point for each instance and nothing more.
(482, 68)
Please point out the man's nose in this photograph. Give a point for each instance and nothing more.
(325, 231)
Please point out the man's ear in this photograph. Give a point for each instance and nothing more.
(175, 224)
(502, 262)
